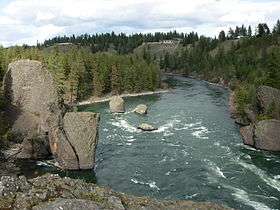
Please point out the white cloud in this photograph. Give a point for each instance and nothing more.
(26, 21)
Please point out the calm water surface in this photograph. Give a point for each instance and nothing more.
(197, 152)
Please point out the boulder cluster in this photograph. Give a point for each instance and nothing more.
(117, 106)
(261, 133)
(40, 122)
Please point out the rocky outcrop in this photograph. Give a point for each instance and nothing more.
(264, 135)
(54, 192)
(37, 116)
(247, 134)
(33, 105)
(117, 104)
(68, 204)
(267, 135)
(146, 127)
(141, 109)
(269, 101)
(34, 148)
(78, 145)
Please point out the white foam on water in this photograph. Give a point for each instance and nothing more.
(131, 140)
(217, 144)
(128, 144)
(277, 177)
(191, 196)
(200, 132)
(41, 163)
(248, 147)
(243, 197)
(151, 184)
(188, 126)
(168, 173)
(167, 126)
(105, 129)
(185, 153)
(124, 125)
(168, 134)
(173, 145)
(214, 168)
(275, 183)
(163, 160)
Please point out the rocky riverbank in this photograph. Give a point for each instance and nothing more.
(53, 192)
(94, 100)
(44, 129)
(260, 123)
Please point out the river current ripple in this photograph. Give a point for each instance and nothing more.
(197, 152)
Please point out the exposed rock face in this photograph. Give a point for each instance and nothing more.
(141, 109)
(78, 145)
(241, 121)
(52, 192)
(37, 116)
(146, 127)
(117, 105)
(32, 97)
(247, 134)
(68, 204)
(267, 98)
(264, 135)
(33, 103)
(34, 149)
(267, 135)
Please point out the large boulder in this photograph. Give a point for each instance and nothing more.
(34, 148)
(117, 104)
(33, 105)
(269, 100)
(76, 149)
(247, 134)
(141, 109)
(37, 116)
(267, 135)
(146, 127)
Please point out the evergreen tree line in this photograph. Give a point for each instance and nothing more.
(80, 74)
(244, 63)
(121, 43)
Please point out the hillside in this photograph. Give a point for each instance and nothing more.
(159, 49)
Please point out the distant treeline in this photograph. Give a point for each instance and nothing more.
(124, 44)
(244, 62)
(121, 43)
(80, 74)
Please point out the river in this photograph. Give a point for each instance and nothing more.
(197, 152)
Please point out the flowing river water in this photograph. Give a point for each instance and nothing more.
(197, 152)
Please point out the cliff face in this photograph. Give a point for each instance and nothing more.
(54, 192)
(257, 132)
(38, 118)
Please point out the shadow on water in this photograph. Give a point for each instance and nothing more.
(264, 160)
(32, 169)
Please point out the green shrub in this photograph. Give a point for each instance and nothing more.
(245, 96)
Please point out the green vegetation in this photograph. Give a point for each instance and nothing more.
(243, 60)
(99, 64)
(80, 74)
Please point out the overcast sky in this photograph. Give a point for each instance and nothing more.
(26, 21)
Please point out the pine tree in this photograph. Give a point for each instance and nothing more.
(249, 31)
(276, 29)
(222, 36)
(115, 79)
